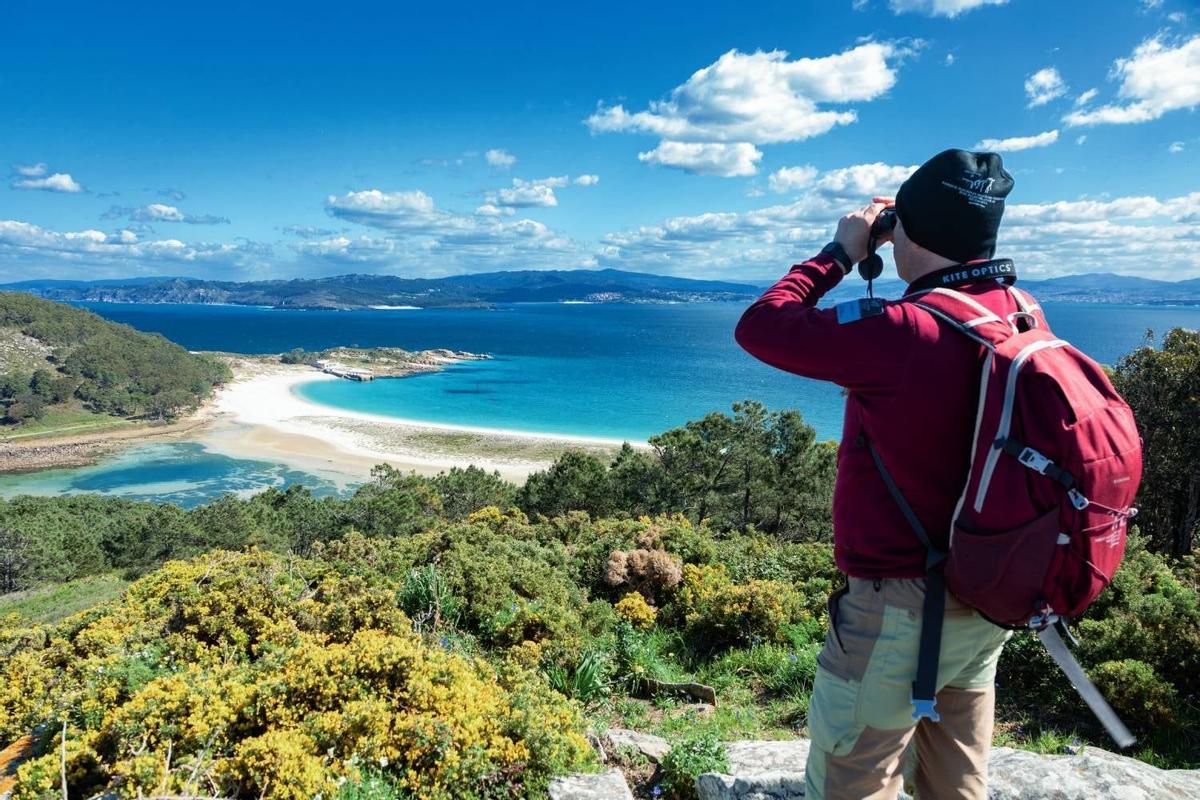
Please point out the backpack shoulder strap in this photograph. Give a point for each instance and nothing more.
(966, 314)
(1029, 306)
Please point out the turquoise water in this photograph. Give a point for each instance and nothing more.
(616, 371)
(183, 473)
(611, 370)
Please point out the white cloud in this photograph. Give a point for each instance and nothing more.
(1018, 142)
(1155, 80)
(941, 8)
(705, 158)
(30, 170)
(1043, 86)
(755, 243)
(1178, 17)
(1175, 147)
(438, 241)
(1081, 138)
(761, 97)
(409, 210)
(161, 212)
(857, 183)
(949, 61)
(789, 179)
(359, 250)
(1121, 234)
(586, 180)
(47, 252)
(500, 159)
(863, 181)
(58, 182)
(1086, 97)
(529, 194)
(1136, 235)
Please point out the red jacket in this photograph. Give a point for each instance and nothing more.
(913, 388)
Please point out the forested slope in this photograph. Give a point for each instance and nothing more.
(57, 356)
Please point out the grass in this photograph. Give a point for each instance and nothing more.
(52, 603)
(500, 445)
(63, 420)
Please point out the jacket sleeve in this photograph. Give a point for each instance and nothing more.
(785, 329)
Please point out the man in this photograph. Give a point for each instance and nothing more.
(912, 389)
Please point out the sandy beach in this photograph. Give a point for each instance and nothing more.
(258, 415)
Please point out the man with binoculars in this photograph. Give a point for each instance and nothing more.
(912, 386)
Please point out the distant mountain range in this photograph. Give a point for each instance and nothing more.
(365, 291)
(483, 289)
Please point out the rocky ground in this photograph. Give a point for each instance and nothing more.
(775, 771)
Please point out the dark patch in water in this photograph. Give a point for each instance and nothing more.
(468, 391)
(461, 370)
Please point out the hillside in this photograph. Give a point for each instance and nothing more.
(364, 291)
(73, 366)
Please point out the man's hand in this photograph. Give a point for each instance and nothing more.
(854, 229)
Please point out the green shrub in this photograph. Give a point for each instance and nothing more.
(587, 681)
(465, 491)
(689, 758)
(719, 612)
(1136, 692)
(427, 599)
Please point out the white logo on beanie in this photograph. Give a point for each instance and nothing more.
(975, 189)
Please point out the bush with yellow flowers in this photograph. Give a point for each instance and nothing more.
(255, 675)
(720, 612)
(634, 609)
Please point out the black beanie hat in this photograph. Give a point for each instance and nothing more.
(952, 205)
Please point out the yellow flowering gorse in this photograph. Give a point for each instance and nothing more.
(254, 675)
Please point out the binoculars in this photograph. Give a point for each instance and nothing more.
(871, 267)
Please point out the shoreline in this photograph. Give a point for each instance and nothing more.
(85, 449)
(259, 415)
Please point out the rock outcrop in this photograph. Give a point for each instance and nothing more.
(775, 771)
(1021, 775)
(648, 745)
(600, 786)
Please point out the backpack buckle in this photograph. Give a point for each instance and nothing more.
(925, 708)
(1043, 619)
(1078, 500)
(1034, 460)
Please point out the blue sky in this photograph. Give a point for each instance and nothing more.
(268, 140)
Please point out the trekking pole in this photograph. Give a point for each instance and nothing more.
(1086, 689)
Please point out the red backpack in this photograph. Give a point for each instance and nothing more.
(1039, 529)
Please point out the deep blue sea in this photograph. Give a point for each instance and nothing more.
(617, 371)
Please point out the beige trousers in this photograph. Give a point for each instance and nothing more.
(860, 715)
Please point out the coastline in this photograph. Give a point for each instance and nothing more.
(82, 450)
(258, 415)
